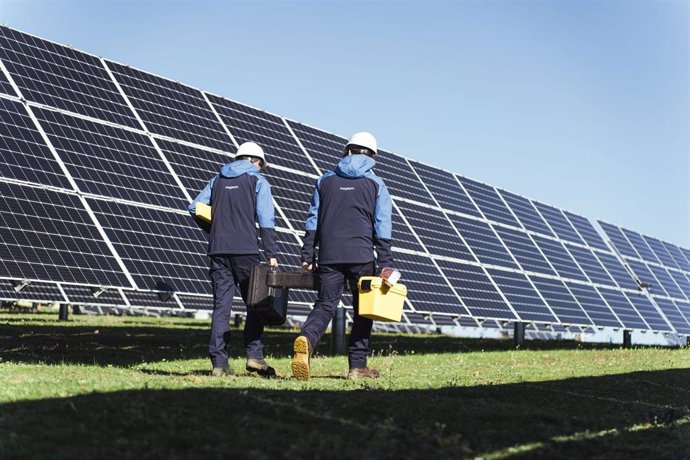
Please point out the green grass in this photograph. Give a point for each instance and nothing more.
(125, 387)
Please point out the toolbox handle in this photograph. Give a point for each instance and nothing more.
(366, 285)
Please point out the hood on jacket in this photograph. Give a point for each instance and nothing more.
(354, 166)
(237, 168)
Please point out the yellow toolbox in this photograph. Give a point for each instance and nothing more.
(379, 301)
(203, 211)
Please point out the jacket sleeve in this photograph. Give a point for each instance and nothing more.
(203, 197)
(265, 215)
(383, 227)
(309, 241)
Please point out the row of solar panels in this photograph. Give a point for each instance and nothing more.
(123, 151)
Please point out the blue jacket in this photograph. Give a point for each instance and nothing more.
(350, 216)
(239, 197)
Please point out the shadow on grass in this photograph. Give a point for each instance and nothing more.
(636, 415)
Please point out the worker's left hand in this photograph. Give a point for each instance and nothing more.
(273, 262)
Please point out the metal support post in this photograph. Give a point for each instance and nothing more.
(518, 334)
(64, 312)
(627, 338)
(338, 332)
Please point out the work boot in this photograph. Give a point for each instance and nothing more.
(260, 367)
(300, 360)
(363, 373)
(223, 372)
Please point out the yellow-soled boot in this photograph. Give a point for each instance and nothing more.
(300, 360)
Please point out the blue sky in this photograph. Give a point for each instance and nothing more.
(584, 105)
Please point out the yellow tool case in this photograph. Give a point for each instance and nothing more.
(379, 301)
(203, 211)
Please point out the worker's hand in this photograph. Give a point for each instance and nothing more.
(390, 275)
(308, 266)
(273, 262)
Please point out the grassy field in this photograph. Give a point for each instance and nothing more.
(126, 387)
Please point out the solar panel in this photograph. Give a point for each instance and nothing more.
(526, 213)
(522, 296)
(640, 245)
(161, 249)
(172, 109)
(49, 236)
(667, 282)
(562, 262)
(643, 274)
(427, 291)
(109, 161)
(675, 317)
(483, 242)
(402, 236)
(555, 218)
(648, 311)
(191, 302)
(677, 256)
(594, 305)
(684, 308)
(525, 251)
(269, 131)
(617, 271)
(686, 253)
(489, 202)
(445, 189)
(24, 154)
(618, 239)
(660, 252)
(34, 292)
(194, 166)
(84, 295)
(591, 265)
(621, 306)
(435, 231)
(293, 193)
(400, 178)
(62, 77)
(324, 148)
(150, 300)
(478, 293)
(587, 231)
(6, 86)
(561, 301)
(682, 282)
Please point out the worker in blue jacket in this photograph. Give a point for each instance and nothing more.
(239, 197)
(349, 217)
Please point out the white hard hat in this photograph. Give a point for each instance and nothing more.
(363, 139)
(250, 149)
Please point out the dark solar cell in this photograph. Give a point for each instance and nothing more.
(162, 250)
(617, 270)
(62, 77)
(678, 256)
(594, 305)
(435, 231)
(483, 242)
(194, 166)
(172, 109)
(446, 189)
(23, 153)
(197, 302)
(640, 245)
(660, 252)
(526, 213)
(324, 148)
(591, 265)
(476, 290)
(427, 291)
(587, 231)
(618, 239)
(684, 308)
(686, 253)
(402, 235)
(561, 301)
(489, 202)
(682, 282)
(418, 318)
(562, 262)
(667, 282)
(525, 251)
(522, 296)
(400, 179)
(35, 292)
(49, 236)
(151, 300)
(558, 223)
(622, 307)
(645, 275)
(648, 311)
(675, 317)
(109, 161)
(293, 193)
(5, 86)
(267, 130)
(84, 295)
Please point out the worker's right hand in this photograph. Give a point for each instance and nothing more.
(273, 262)
(308, 266)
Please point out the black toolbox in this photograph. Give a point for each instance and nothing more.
(270, 302)
(300, 279)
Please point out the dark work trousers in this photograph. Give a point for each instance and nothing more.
(332, 278)
(227, 273)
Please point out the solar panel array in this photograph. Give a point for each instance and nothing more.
(99, 161)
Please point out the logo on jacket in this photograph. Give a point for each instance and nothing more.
(346, 189)
(231, 187)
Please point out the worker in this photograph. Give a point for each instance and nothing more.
(239, 197)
